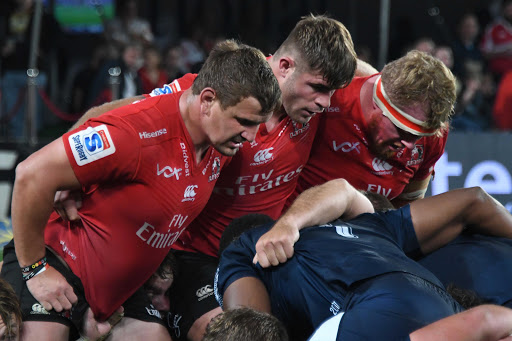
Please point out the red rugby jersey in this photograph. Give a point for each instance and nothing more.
(340, 150)
(258, 179)
(142, 188)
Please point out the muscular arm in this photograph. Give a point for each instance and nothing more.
(413, 191)
(101, 109)
(317, 205)
(364, 69)
(247, 292)
(324, 203)
(439, 219)
(486, 322)
(37, 180)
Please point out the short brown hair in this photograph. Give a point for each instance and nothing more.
(325, 45)
(245, 324)
(419, 77)
(9, 308)
(237, 71)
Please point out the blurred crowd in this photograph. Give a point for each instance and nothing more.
(129, 55)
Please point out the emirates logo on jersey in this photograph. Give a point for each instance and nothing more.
(263, 156)
(381, 166)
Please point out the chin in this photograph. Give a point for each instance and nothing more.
(300, 118)
(383, 152)
(226, 151)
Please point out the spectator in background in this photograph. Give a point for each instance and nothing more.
(151, 74)
(82, 82)
(502, 113)
(192, 53)
(173, 63)
(473, 111)
(129, 82)
(129, 28)
(465, 47)
(16, 22)
(425, 44)
(474, 102)
(496, 43)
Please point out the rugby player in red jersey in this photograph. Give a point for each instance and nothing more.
(146, 171)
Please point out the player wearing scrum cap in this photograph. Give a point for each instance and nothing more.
(384, 133)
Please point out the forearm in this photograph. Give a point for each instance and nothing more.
(324, 203)
(37, 180)
(31, 207)
(101, 109)
(487, 322)
(439, 219)
(487, 216)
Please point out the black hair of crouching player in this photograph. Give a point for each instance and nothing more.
(245, 324)
(240, 225)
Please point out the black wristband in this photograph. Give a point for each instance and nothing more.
(39, 263)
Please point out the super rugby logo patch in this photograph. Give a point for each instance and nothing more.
(91, 144)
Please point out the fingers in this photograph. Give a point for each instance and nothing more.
(52, 290)
(270, 253)
(57, 206)
(70, 295)
(57, 305)
(67, 204)
(46, 305)
(71, 208)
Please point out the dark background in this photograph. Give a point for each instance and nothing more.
(265, 23)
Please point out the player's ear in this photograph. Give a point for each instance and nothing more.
(286, 66)
(207, 99)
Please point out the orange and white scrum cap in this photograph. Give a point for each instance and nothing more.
(398, 117)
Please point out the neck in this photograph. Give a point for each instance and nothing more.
(190, 110)
(366, 97)
(274, 120)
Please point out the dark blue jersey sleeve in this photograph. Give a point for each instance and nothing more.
(236, 261)
(399, 224)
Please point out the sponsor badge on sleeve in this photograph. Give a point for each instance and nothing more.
(91, 144)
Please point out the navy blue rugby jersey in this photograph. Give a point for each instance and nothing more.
(476, 262)
(311, 286)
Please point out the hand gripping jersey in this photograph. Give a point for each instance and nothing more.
(258, 179)
(141, 189)
(329, 264)
(476, 262)
(340, 150)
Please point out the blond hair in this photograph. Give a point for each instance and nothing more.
(418, 77)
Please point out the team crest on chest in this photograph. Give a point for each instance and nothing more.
(416, 155)
(215, 169)
(299, 129)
